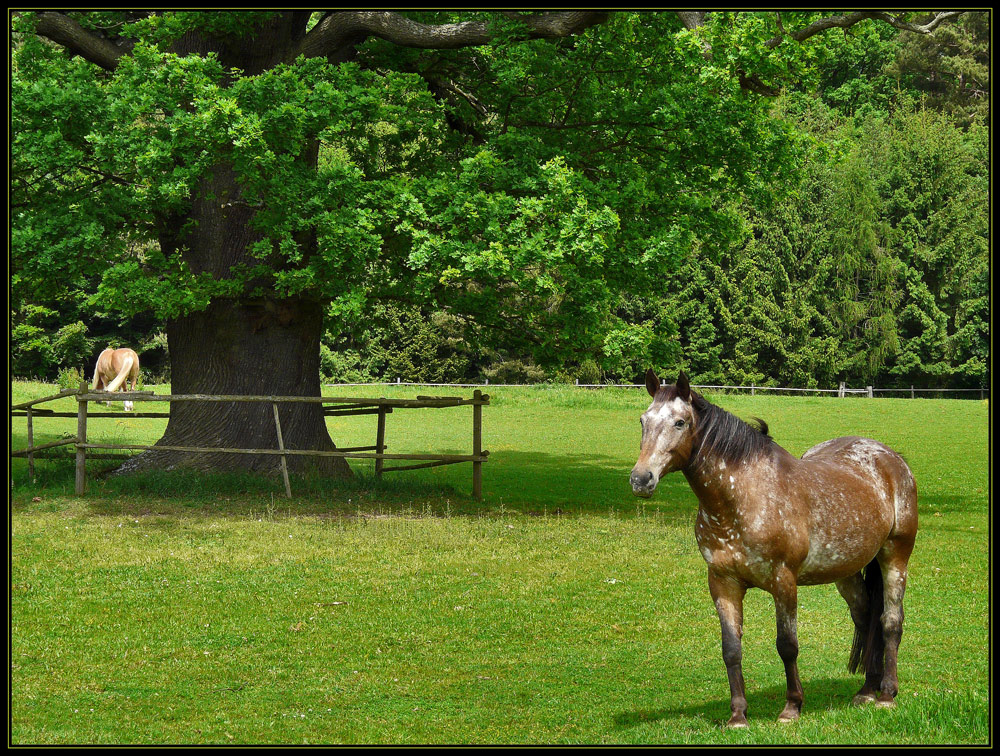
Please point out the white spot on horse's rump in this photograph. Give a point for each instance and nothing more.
(864, 451)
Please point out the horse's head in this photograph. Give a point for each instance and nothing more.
(667, 433)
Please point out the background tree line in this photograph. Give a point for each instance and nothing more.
(857, 248)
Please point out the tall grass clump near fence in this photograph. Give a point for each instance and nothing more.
(173, 608)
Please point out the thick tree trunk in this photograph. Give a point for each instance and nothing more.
(261, 347)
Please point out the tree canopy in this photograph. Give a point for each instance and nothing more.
(568, 187)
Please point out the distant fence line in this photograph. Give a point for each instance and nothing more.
(840, 391)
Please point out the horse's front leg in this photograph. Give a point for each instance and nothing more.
(728, 594)
(785, 592)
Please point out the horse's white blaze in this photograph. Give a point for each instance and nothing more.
(659, 424)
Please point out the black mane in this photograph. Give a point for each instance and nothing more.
(722, 434)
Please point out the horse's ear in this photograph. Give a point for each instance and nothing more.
(684, 387)
(652, 382)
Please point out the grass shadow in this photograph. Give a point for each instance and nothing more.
(529, 482)
(823, 694)
(951, 504)
(588, 481)
(513, 481)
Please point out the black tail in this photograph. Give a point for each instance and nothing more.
(869, 645)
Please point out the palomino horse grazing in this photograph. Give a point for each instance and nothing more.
(845, 513)
(115, 368)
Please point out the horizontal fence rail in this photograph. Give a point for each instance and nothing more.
(841, 391)
(340, 406)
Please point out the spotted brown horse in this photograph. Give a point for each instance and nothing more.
(843, 513)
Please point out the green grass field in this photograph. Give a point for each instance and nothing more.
(560, 609)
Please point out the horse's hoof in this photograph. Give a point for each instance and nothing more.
(790, 714)
(736, 723)
(863, 699)
(886, 704)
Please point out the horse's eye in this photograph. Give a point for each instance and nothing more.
(679, 424)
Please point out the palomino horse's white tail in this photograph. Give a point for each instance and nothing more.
(123, 372)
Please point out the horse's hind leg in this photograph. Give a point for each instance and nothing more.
(893, 560)
(856, 595)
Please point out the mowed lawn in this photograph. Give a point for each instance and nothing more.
(559, 609)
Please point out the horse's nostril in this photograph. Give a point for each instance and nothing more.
(641, 479)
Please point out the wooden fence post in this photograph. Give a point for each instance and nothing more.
(912, 394)
(870, 395)
(477, 444)
(31, 444)
(81, 438)
(284, 457)
(842, 390)
(380, 440)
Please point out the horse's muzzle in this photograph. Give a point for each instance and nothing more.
(643, 483)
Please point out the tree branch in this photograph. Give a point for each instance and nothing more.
(850, 19)
(63, 30)
(753, 83)
(445, 91)
(348, 28)
(927, 28)
(692, 19)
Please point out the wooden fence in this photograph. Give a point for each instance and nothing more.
(341, 406)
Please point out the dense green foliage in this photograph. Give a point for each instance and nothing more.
(875, 270)
(551, 209)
